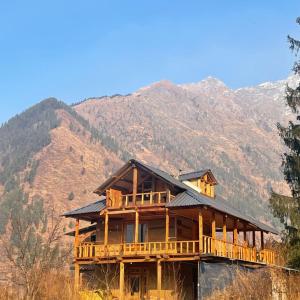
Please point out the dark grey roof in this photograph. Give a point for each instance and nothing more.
(164, 175)
(188, 197)
(94, 207)
(192, 198)
(193, 175)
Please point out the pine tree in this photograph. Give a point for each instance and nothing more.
(286, 208)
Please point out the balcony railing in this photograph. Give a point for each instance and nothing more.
(209, 246)
(139, 199)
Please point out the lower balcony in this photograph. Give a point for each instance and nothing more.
(179, 250)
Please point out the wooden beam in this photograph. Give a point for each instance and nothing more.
(106, 229)
(213, 232)
(120, 212)
(253, 239)
(134, 184)
(136, 233)
(200, 224)
(122, 283)
(167, 225)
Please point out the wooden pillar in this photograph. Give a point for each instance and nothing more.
(158, 286)
(262, 243)
(213, 232)
(76, 240)
(106, 229)
(134, 184)
(245, 232)
(224, 229)
(235, 237)
(76, 275)
(200, 224)
(136, 233)
(253, 239)
(122, 284)
(167, 224)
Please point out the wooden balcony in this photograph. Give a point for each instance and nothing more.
(209, 247)
(117, 200)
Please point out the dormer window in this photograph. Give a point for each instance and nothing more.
(202, 181)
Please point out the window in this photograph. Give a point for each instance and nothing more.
(129, 233)
(143, 228)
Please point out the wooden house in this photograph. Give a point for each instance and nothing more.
(148, 221)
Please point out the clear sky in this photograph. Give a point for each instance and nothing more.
(78, 49)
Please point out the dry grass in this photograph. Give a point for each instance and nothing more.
(263, 284)
(56, 286)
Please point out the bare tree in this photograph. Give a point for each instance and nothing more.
(32, 247)
(103, 280)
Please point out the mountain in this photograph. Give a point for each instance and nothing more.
(60, 153)
(52, 153)
(200, 125)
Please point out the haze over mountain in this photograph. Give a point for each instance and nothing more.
(61, 153)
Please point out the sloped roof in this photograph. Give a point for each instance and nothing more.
(193, 199)
(94, 207)
(188, 197)
(197, 174)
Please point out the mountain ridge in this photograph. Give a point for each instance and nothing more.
(171, 126)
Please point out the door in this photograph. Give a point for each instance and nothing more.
(137, 286)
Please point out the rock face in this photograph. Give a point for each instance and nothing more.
(175, 127)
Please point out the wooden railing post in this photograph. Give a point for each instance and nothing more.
(200, 224)
(106, 229)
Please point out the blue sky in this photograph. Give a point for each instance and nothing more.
(77, 49)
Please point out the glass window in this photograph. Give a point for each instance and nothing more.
(129, 233)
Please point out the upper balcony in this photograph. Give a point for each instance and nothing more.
(115, 199)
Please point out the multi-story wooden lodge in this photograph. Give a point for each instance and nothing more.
(147, 220)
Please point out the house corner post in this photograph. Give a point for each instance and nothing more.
(213, 233)
(134, 183)
(224, 230)
(167, 225)
(200, 224)
(76, 276)
(136, 227)
(76, 241)
(106, 229)
(158, 284)
(262, 242)
(235, 238)
(122, 281)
